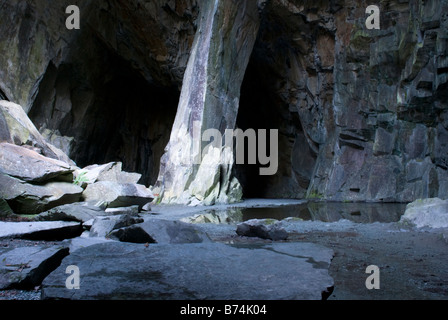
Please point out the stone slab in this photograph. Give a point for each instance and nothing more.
(26, 267)
(160, 231)
(211, 271)
(45, 230)
(431, 213)
(29, 166)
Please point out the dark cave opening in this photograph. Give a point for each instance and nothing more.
(256, 111)
(130, 122)
(261, 107)
(112, 112)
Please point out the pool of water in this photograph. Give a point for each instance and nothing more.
(316, 211)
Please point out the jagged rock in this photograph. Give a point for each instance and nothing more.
(432, 213)
(24, 198)
(26, 267)
(79, 211)
(103, 226)
(21, 131)
(49, 230)
(32, 167)
(109, 172)
(262, 228)
(114, 194)
(160, 231)
(201, 271)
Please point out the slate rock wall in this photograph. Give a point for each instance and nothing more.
(362, 114)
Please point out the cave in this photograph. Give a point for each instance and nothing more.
(264, 105)
(261, 108)
(112, 112)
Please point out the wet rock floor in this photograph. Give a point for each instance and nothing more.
(412, 262)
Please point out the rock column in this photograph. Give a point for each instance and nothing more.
(210, 94)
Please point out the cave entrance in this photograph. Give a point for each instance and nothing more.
(129, 121)
(112, 112)
(262, 107)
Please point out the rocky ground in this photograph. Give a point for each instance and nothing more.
(412, 262)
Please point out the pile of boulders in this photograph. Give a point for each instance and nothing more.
(35, 176)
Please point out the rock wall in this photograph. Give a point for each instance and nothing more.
(390, 105)
(362, 114)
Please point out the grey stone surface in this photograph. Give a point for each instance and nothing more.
(195, 271)
(21, 131)
(262, 228)
(30, 166)
(26, 267)
(24, 198)
(51, 230)
(79, 211)
(115, 194)
(111, 171)
(160, 231)
(103, 226)
(432, 213)
(83, 241)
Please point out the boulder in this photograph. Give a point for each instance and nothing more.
(160, 231)
(103, 226)
(26, 267)
(114, 194)
(45, 230)
(432, 212)
(21, 131)
(32, 167)
(24, 198)
(195, 271)
(79, 211)
(262, 228)
(109, 172)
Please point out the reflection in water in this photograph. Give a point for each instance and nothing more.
(321, 211)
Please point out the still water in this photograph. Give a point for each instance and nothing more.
(317, 211)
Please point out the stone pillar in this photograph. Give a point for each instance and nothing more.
(209, 99)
